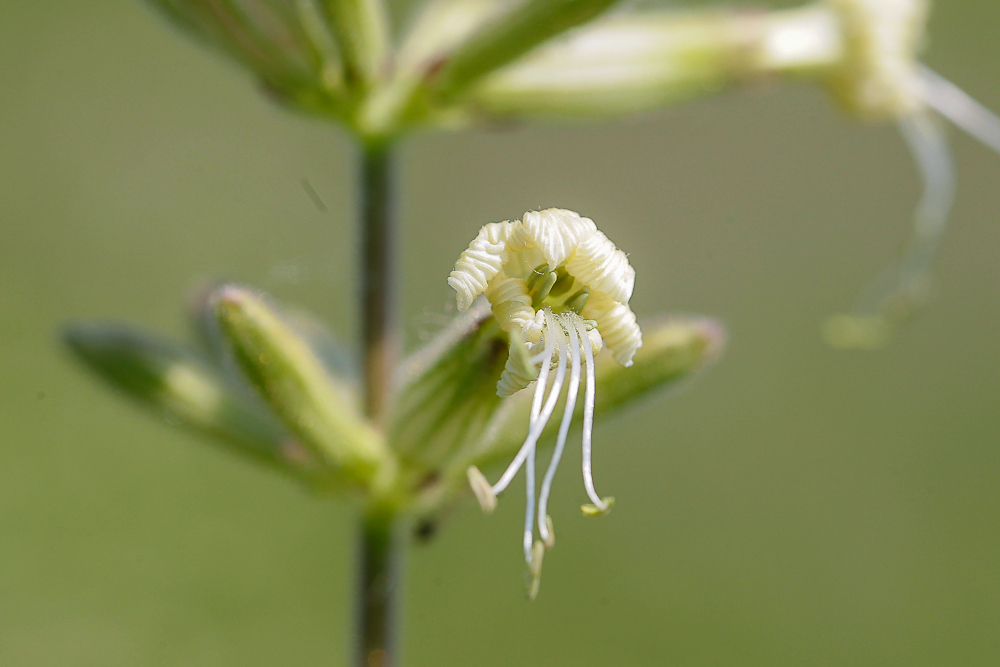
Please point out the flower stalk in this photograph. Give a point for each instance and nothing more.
(378, 557)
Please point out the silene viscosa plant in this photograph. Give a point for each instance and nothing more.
(543, 300)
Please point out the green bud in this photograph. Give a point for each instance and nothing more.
(177, 383)
(633, 62)
(510, 36)
(291, 378)
(448, 392)
(288, 44)
(361, 27)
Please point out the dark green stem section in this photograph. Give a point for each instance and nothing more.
(378, 277)
(377, 567)
(377, 593)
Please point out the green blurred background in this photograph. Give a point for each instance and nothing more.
(796, 506)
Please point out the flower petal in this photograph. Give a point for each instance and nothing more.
(599, 264)
(617, 325)
(482, 261)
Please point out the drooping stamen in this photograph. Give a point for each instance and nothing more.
(553, 329)
(904, 286)
(960, 108)
(537, 425)
(932, 155)
(570, 407)
(588, 422)
(529, 504)
(535, 569)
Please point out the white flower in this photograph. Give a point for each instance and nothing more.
(560, 289)
(880, 76)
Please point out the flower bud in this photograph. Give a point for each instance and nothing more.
(447, 392)
(288, 44)
(292, 380)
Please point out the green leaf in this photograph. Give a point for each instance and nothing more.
(292, 379)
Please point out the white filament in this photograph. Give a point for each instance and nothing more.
(588, 422)
(537, 425)
(529, 504)
(932, 155)
(960, 108)
(937, 171)
(570, 407)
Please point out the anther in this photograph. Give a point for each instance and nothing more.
(596, 510)
(535, 569)
(482, 489)
(549, 538)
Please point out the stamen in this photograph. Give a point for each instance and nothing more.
(550, 532)
(901, 285)
(535, 569)
(904, 286)
(570, 407)
(960, 108)
(537, 425)
(588, 424)
(555, 330)
(482, 490)
(529, 505)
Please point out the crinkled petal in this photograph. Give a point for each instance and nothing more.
(600, 265)
(479, 264)
(555, 231)
(617, 326)
(511, 305)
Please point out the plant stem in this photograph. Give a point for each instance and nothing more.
(377, 583)
(378, 277)
(377, 553)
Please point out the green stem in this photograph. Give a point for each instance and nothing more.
(378, 553)
(377, 593)
(378, 278)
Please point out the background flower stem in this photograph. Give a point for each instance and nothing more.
(376, 576)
